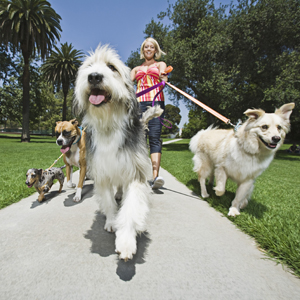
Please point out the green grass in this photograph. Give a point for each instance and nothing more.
(16, 158)
(272, 216)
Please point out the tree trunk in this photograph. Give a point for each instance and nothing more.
(64, 118)
(65, 86)
(26, 87)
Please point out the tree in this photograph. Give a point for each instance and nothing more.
(7, 64)
(11, 95)
(31, 26)
(248, 58)
(61, 69)
(172, 114)
(197, 121)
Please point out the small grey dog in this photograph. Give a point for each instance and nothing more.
(42, 180)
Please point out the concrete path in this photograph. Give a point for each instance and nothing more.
(59, 250)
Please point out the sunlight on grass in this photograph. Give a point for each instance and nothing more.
(273, 214)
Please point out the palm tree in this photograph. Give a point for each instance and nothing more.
(30, 26)
(61, 69)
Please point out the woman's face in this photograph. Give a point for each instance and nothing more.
(149, 50)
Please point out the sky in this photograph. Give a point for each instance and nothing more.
(119, 23)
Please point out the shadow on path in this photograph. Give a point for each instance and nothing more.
(103, 243)
(87, 192)
(48, 197)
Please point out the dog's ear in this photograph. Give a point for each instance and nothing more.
(285, 110)
(74, 122)
(58, 122)
(40, 171)
(254, 114)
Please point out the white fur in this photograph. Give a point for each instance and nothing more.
(241, 156)
(115, 156)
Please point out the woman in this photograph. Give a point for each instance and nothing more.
(148, 74)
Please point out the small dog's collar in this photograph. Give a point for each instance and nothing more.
(79, 136)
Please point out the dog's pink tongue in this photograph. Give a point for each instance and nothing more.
(64, 149)
(96, 97)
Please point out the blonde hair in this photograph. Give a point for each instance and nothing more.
(158, 53)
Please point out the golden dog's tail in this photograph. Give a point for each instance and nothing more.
(196, 138)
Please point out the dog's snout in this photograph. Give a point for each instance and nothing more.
(59, 142)
(276, 139)
(95, 78)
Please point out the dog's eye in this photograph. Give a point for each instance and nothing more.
(265, 127)
(66, 133)
(33, 175)
(57, 134)
(279, 127)
(112, 68)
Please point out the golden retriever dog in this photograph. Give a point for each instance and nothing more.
(242, 155)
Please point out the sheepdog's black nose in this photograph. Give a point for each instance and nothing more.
(95, 78)
(59, 142)
(276, 139)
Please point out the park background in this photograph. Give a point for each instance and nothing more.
(231, 58)
(231, 55)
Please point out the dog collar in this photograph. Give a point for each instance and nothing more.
(79, 136)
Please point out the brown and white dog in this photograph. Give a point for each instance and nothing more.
(72, 139)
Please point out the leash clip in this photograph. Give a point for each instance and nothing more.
(238, 125)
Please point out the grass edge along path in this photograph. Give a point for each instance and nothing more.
(16, 158)
(272, 217)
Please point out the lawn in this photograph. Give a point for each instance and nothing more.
(273, 214)
(16, 158)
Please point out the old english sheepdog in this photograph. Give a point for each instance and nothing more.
(117, 154)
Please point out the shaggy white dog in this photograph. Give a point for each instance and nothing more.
(116, 147)
(242, 155)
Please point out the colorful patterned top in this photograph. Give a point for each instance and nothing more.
(146, 80)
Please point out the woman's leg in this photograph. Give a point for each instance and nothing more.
(155, 159)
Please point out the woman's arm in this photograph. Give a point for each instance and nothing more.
(162, 66)
(133, 73)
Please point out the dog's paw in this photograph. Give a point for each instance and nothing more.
(77, 196)
(125, 246)
(71, 185)
(233, 211)
(77, 199)
(41, 199)
(204, 195)
(109, 226)
(219, 193)
(46, 189)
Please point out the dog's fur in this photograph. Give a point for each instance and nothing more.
(43, 180)
(241, 156)
(116, 148)
(72, 142)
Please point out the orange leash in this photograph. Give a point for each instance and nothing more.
(210, 110)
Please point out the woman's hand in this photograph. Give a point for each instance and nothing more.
(162, 66)
(163, 77)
